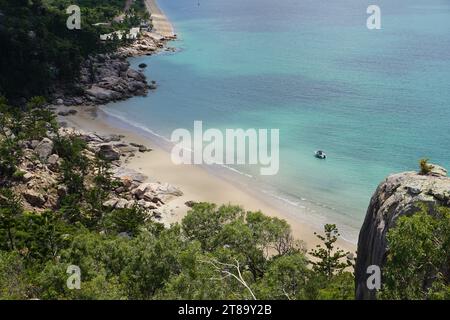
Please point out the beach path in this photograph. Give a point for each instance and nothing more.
(161, 25)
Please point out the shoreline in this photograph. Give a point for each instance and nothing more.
(108, 77)
(307, 212)
(161, 24)
(196, 182)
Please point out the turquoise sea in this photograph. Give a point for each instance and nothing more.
(375, 100)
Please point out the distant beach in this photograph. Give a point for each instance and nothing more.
(161, 23)
(320, 83)
(196, 182)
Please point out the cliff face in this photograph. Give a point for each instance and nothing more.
(398, 195)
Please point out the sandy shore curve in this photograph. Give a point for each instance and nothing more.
(161, 24)
(197, 183)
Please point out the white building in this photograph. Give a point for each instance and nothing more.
(132, 34)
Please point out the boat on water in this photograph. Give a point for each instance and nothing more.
(320, 154)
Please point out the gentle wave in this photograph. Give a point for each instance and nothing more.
(316, 220)
(165, 139)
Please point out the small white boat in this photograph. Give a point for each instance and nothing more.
(320, 154)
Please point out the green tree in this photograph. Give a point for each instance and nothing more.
(153, 261)
(340, 287)
(42, 236)
(418, 260)
(13, 281)
(287, 277)
(51, 283)
(10, 213)
(129, 220)
(328, 259)
(425, 168)
(10, 128)
(75, 166)
(205, 222)
(39, 120)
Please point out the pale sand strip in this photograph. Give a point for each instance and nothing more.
(196, 183)
(161, 25)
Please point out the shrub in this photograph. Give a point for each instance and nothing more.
(425, 168)
(418, 260)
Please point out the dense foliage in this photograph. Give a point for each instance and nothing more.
(38, 51)
(418, 261)
(214, 253)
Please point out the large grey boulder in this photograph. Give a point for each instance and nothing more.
(102, 94)
(34, 198)
(111, 138)
(134, 86)
(437, 171)
(397, 196)
(111, 203)
(140, 190)
(136, 75)
(108, 152)
(44, 149)
(127, 173)
(53, 162)
(34, 143)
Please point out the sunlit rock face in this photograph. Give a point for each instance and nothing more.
(398, 195)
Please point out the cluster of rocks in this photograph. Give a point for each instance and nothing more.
(147, 44)
(110, 147)
(105, 78)
(150, 196)
(112, 79)
(109, 77)
(399, 195)
(40, 174)
(67, 113)
(134, 190)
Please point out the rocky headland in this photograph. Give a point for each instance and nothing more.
(108, 77)
(40, 175)
(399, 195)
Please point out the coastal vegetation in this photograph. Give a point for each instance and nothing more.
(39, 53)
(124, 252)
(421, 242)
(425, 168)
(214, 253)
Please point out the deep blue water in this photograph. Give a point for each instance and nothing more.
(375, 100)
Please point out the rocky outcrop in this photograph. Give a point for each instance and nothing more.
(156, 192)
(34, 198)
(104, 78)
(53, 162)
(44, 149)
(397, 196)
(39, 183)
(123, 174)
(109, 77)
(108, 152)
(147, 44)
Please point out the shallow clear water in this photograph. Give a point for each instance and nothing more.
(375, 101)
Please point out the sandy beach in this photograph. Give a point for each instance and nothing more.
(161, 24)
(197, 183)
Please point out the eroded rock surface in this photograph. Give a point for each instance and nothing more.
(397, 196)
